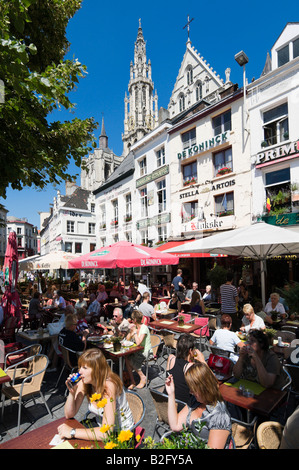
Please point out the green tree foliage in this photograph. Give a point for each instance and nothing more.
(37, 81)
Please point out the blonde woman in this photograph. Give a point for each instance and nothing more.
(106, 396)
(210, 409)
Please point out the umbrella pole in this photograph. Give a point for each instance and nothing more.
(263, 281)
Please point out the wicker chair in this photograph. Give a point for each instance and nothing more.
(269, 434)
(161, 406)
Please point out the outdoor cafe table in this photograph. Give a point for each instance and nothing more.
(262, 403)
(41, 437)
(32, 336)
(166, 312)
(118, 355)
(156, 300)
(172, 325)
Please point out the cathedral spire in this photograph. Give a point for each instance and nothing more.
(103, 141)
(140, 115)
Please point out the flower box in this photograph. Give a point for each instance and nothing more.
(223, 171)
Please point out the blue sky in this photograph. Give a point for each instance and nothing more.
(102, 36)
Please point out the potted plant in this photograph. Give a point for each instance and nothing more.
(270, 332)
(116, 340)
(181, 320)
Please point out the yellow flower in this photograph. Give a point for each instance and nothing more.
(102, 403)
(110, 445)
(105, 428)
(124, 436)
(138, 437)
(95, 397)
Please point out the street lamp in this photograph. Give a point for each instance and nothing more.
(242, 59)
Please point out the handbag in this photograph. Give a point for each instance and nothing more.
(55, 328)
(219, 363)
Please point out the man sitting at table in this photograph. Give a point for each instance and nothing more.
(93, 309)
(146, 308)
(59, 301)
(120, 325)
(226, 339)
(35, 311)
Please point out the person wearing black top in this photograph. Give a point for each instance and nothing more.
(177, 365)
(69, 339)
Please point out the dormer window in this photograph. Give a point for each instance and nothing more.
(283, 56)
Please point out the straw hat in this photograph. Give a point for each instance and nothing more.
(269, 435)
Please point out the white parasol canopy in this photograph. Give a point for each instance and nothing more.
(52, 260)
(259, 241)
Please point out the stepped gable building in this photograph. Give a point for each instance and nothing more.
(141, 105)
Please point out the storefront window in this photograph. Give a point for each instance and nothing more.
(278, 192)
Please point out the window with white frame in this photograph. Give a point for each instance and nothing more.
(78, 247)
(189, 138)
(128, 203)
(276, 125)
(114, 212)
(189, 173)
(142, 167)
(160, 154)
(68, 247)
(102, 216)
(278, 191)
(161, 191)
(223, 161)
(222, 122)
(128, 236)
(70, 226)
(162, 233)
(189, 211)
(224, 204)
(91, 228)
(144, 237)
(144, 202)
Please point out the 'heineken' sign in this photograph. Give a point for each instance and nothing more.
(203, 146)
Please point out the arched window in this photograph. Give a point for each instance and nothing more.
(198, 91)
(182, 102)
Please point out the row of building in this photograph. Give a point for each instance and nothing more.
(218, 158)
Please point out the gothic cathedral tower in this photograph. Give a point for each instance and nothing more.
(141, 106)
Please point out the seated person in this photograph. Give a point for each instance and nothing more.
(140, 334)
(258, 363)
(177, 365)
(146, 308)
(290, 435)
(35, 310)
(174, 303)
(226, 339)
(190, 292)
(115, 294)
(68, 338)
(274, 306)
(258, 308)
(93, 309)
(81, 302)
(126, 307)
(59, 301)
(82, 324)
(98, 383)
(251, 321)
(132, 291)
(197, 304)
(120, 325)
(102, 295)
(211, 411)
(207, 297)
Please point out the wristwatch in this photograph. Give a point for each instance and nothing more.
(73, 433)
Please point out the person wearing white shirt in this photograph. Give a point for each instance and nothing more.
(274, 306)
(250, 320)
(225, 339)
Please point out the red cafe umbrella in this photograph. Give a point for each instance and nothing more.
(11, 301)
(122, 255)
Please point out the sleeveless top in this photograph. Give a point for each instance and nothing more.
(123, 415)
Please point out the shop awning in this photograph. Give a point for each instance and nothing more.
(168, 245)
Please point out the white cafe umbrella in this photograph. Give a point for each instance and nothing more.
(259, 241)
(53, 260)
(25, 264)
